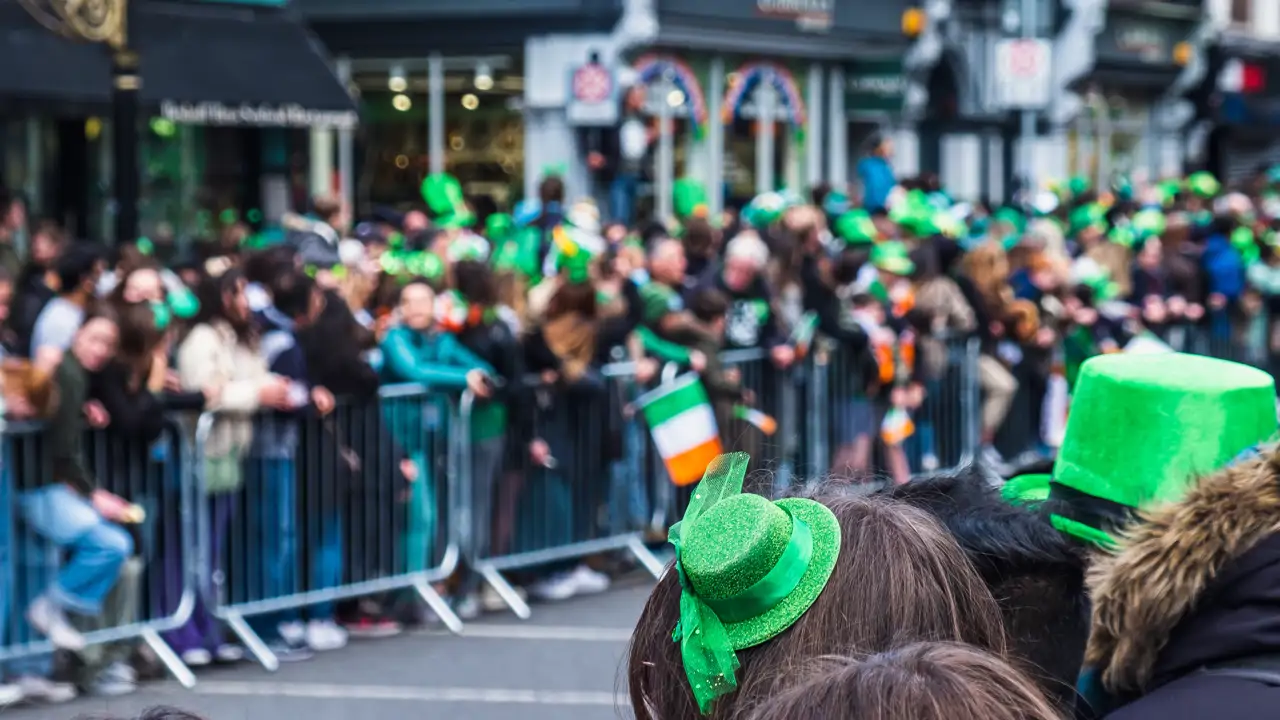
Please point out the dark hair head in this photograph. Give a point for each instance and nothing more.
(214, 294)
(77, 266)
(899, 578)
(848, 263)
(922, 681)
(475, 281)
(139, 336)
(1034, 571)
(261, 266)
(155, 713)
(551, 190)
(709, 305)
(291, 293)
(579, 298)
(698, 238)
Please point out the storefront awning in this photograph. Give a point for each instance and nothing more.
(40, 66)
(209, 64)
(236, 65)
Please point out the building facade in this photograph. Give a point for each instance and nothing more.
(215, 137)
(744, 95)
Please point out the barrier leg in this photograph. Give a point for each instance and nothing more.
(505, 591)
(172, 662)
(441, 608)
(646, 557)
(259, 649)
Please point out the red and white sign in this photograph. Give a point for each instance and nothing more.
(1022, 74)
(592, 84)
(592, 96)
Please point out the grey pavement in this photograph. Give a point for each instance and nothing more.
(565, 663)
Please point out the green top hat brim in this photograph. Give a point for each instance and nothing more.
(1025, 489)
(826, 548)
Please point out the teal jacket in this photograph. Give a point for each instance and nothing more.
(436, 360)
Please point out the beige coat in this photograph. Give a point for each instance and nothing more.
(211, 356)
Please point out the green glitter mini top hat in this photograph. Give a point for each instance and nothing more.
(1141, 429)
(748, 569)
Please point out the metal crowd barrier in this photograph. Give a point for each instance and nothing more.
(155, 592)
(523, 512)
(356, 503)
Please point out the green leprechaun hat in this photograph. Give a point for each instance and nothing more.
(855, 227)
(892, 257)
(443, 195)
(690, 199)
(748, 569)
(1142, 428)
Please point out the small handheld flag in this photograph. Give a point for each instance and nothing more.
(683, 427)
(765, 423)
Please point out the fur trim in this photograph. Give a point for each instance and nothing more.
(1167, 561)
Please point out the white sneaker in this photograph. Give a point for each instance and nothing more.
(44, 690)
(229, 653)
(492, 602)
(115, 680)
(557, 587)
(293, 633)
(10, 695)
(197, 657)
(325, 635)
(48, 619)
(589, 581)
(467, 607)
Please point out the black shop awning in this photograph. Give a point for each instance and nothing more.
(201, 63)
(39, 66)
(216, 64)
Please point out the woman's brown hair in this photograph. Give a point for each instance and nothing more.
(900, 578)
(988, 267)
(922, 681)
(139, 338)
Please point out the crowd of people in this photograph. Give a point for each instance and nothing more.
(555, 320)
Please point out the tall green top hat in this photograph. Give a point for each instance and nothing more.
(748, 569)
(690, 199)
(1142, 428)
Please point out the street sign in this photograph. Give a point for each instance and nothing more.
(1022, 74)
(592, 96)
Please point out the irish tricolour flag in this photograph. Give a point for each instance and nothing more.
(683, 426)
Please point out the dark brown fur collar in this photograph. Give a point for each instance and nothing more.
(1167, 561)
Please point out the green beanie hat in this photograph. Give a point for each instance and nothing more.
(1142, 428)
(855, 227)
(1203, 184)
(443, 194)
(690, 199)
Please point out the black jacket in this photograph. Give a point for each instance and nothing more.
(1187, 616)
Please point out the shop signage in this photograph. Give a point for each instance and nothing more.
(875, 86)
(1145, 40)
(784, 19)
(248, 115)
(809, 15)
(1022, 77)
(593, 96)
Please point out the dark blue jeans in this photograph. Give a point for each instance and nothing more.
(622, 197)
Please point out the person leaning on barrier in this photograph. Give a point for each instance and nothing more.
(221, 352)
(63, 503)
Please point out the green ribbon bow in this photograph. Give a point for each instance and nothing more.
(710, 663)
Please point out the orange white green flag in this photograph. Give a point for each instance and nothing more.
(683, 426)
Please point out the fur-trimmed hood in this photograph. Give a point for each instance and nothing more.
(1167, 564)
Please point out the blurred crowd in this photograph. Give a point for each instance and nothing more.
(537, 313)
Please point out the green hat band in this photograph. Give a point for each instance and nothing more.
(748, 569)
